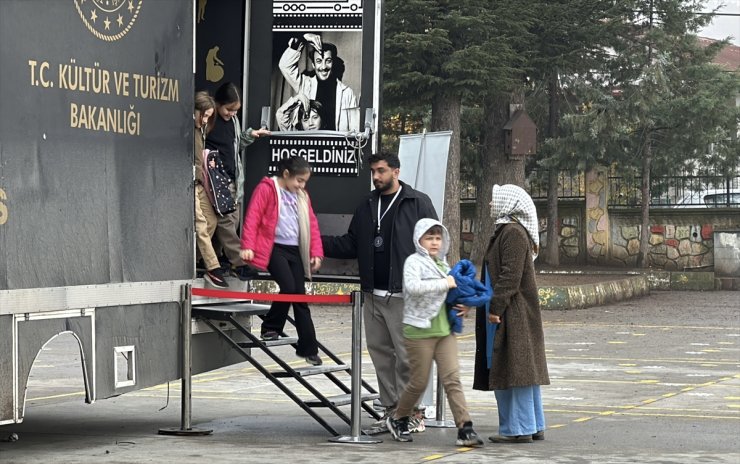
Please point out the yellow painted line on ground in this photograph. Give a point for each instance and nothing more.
(732, 362)
(685, 416)
(583, 419)
(556, 426)
(628, 382)
(708, 365)
(607, 413)
(633, 372)
(649, 401)
(627, 364)
(51, 397)
(663, 327)
(732, 398)
(267, 399)
(711, 350)
(725, 343)
(625, 408)
(614, 342)
(668, 395)
(432, 457)
(638, 335)
(735, 406)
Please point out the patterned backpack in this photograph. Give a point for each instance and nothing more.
(216, 183)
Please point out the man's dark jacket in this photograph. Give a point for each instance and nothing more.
(358, 241)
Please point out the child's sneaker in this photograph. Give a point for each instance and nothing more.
(215, 277)
(399, 428)
(466, 436)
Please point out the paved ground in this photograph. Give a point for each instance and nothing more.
(651, 380)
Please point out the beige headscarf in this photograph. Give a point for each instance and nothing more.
(510, 203)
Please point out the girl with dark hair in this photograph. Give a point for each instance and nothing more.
(281, 234)
(226, 136)
(205, 216)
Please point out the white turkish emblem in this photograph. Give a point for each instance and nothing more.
(108, 20)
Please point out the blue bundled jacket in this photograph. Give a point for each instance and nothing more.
(469, 292)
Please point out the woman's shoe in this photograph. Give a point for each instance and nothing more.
(511, 439)
(314, 360)
(538, 435)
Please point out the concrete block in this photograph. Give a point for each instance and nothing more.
(692, 280)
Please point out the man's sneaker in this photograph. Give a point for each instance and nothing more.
(416, 422)
(381, 425)
(270, 335)
(314, 360)
(466, 436)
(399, 428)
(215, 277)
(245, 272)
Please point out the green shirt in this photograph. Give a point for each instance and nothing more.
(440, 324)
(440, 327)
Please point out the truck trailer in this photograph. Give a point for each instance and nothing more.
(96, 168)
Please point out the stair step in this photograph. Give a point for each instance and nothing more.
(312, 370)
(223, 312)
(279, 342)
(341, 400)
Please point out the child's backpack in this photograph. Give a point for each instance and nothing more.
(216, 183)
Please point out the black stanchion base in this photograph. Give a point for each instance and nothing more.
(439, 424)
(361, 440)
(184, 432)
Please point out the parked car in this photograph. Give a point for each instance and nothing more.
(710, 198)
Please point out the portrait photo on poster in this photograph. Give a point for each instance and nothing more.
(316, 80)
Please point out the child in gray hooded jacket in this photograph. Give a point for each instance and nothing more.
(427, 332)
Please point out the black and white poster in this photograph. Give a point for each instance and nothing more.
(315, 84)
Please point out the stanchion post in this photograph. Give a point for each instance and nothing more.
(356, 406)
(439, 419)
(185, 367)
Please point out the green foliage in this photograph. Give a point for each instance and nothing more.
(464, 48)
(659, 88)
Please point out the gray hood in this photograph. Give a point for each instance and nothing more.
(423, 225)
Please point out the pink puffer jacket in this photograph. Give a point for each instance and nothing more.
(260, 222)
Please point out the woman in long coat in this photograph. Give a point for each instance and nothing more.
(517, 366)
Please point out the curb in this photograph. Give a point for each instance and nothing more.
(587, 295)
(627, 285)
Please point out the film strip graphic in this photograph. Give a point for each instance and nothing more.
(327, 155)
(317, 15)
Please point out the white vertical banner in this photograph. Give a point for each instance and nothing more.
(424, 167)
(424, 164)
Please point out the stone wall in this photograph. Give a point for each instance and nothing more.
(679, 238)
(570, 230)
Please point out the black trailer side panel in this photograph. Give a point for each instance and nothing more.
(96, 136)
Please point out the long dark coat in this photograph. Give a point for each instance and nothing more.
(519, 345)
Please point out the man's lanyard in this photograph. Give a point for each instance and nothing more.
(380, 218)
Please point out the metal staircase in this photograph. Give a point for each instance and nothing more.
(213, 314)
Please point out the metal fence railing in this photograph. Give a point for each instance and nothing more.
(676, 192)
(571, 185)
(685, 191)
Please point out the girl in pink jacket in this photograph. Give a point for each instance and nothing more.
(281, 235)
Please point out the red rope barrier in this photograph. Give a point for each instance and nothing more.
(290, 298)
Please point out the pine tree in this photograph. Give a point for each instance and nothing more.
(660, 102)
